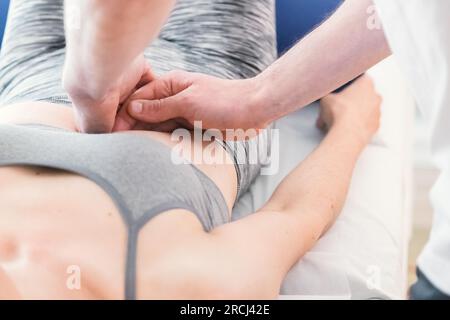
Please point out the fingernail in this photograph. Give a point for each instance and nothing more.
(136, 107)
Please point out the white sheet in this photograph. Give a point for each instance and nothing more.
(364, 255)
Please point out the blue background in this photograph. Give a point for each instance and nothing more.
(3, 12)
(296, 18)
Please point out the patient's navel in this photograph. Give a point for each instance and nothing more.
(9, 249)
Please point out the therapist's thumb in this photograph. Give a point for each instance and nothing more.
(156, 111)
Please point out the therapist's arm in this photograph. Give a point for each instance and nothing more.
(339, 50)
(104, 58)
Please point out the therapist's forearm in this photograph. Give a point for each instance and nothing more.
(339, 50)
(108, 38)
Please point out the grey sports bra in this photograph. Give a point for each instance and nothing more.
(136, 172)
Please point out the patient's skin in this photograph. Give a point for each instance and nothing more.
(57, 228)
(49, 220)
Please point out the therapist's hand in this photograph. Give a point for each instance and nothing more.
(96, 110)
(180, 99)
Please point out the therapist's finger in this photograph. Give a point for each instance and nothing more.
(124, 121)
(158, 101)
(156, 111)
(147, 77)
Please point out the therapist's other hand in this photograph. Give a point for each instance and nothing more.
(96, 109)
(181, 98)
(357, 108)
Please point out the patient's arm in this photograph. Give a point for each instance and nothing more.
(308, 201)
(318, 187)
(104, 59)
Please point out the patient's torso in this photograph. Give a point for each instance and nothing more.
(54, 224)
(229, 39)
(53, 227)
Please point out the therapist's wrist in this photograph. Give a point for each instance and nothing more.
(80, 86)
(262, 107)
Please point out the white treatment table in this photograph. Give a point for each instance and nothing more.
(364, 256)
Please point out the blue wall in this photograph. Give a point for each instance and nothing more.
(4, 4)
(296, 18)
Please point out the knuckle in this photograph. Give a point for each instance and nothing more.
(153, 106)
